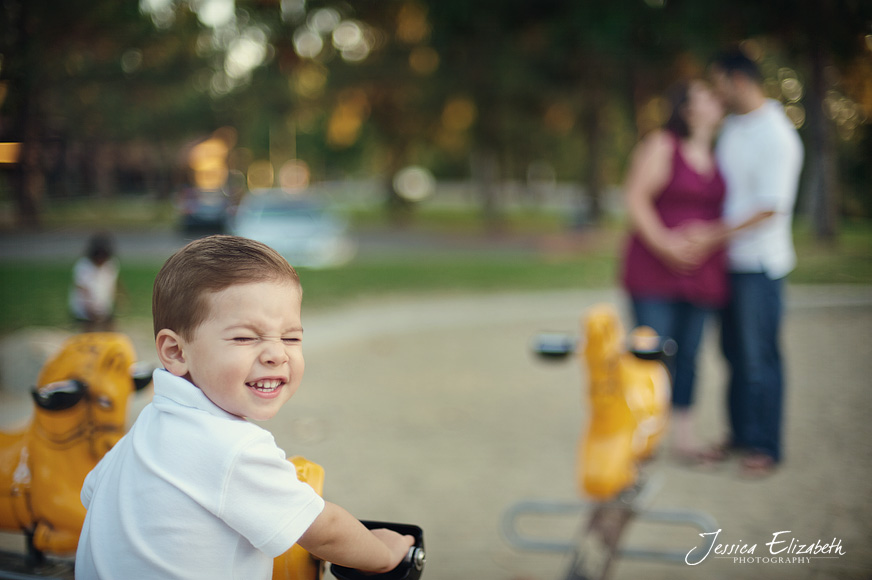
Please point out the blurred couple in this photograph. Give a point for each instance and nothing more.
(710, 202)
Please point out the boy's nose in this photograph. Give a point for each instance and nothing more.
(273, 354)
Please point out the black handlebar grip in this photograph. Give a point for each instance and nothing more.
(554, 345)
(409, 569)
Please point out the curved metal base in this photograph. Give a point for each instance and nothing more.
(597, 541)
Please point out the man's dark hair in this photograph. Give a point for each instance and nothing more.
(737, 62)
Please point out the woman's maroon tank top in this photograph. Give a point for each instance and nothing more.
(687, 196)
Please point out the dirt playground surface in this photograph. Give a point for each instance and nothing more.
(433, 411)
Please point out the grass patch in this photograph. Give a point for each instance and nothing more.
(143, 212)
(35, 293)
(845, 261)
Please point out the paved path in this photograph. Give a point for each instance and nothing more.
(433, 411)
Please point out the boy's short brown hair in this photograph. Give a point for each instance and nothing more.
(208, 265)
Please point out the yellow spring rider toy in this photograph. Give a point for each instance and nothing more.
(629, 398)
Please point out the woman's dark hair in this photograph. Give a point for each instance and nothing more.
(678, 95)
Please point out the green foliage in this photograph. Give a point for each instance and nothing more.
(596, 63)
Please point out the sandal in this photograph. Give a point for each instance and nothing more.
(758, 465)
(717, 453)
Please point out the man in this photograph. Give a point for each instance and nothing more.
(760, 155)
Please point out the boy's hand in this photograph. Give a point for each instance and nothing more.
(397, 544)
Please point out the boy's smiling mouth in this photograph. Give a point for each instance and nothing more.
(265, 386)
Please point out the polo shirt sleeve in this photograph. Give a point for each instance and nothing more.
(263, 500)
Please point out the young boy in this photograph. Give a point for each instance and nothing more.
(194, 490)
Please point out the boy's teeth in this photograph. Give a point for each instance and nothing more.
(266, 385)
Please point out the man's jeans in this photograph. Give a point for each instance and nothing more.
(683, 322)
(750, 340)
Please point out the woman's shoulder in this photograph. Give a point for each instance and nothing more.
(660, 139)
(656, 146)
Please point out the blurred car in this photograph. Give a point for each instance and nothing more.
(301, 228)
(205, 210)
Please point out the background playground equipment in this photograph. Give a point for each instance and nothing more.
(628, 393)
(80, 410)
(80, 413)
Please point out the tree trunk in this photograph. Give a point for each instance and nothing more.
(822, 177)
(593, 132)
(485, 169)
(22, 95)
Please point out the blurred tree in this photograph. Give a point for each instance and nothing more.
(105, 96)
(94, 91)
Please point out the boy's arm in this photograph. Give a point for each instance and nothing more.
(338, 537)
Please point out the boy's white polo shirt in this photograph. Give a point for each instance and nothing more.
(191, 492)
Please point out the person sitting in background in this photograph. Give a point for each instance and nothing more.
(95, 285)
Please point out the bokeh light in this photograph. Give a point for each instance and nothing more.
(309, 80)
(260, 175)
(216, 13)
(294, 176)
(559, 118)
(161, 12)
(790, 87)
(208, 163)
(459, 114)
(292, 10)
(323, 21)
(131, 60)
(351, 39)
(796, 113)
(10, 152)
(307, 43)
(412, 25)
(246, 53)
(346, 120)
(847, 115)
(424, 60)
(414, 183)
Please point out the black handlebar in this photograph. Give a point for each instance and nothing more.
(557, 346)
(409, 569)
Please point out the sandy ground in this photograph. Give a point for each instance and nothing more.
(433, 411)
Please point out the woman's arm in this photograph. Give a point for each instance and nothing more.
(649, 173)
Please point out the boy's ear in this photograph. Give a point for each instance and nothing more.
(170, 351)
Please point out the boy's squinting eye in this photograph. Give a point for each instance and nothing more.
(291, 340)
(244, 339)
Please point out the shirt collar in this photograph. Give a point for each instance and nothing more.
(183, 392)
